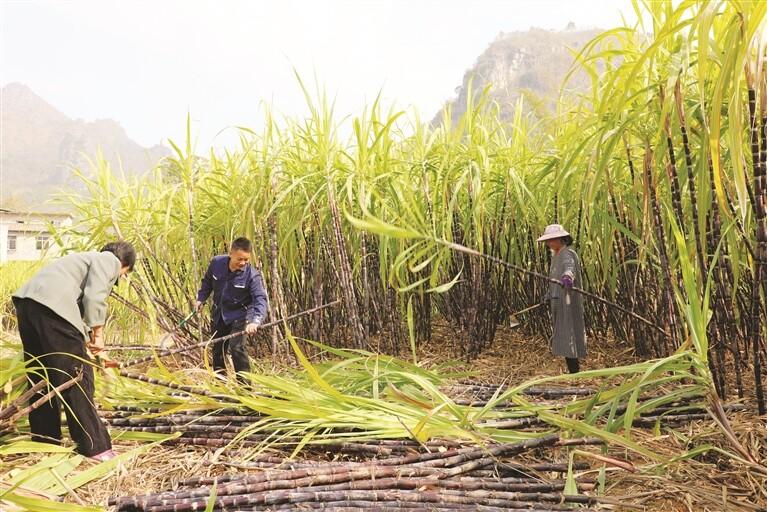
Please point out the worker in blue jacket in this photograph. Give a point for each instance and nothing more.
(239, 302)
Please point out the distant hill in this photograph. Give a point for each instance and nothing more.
(41, 146)
(532, 62)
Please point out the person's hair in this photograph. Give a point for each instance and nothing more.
(124, 252)
(567, 240)
(241, 244)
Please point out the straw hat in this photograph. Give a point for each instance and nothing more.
(553, 231)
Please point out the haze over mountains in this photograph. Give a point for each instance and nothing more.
(41, 146)
(531, 63)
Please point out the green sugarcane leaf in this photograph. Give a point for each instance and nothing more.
(314, 375)
(17, 447)
(102, 469)
(211, 504)
(571, 487)
(34, 504)
(379, 227)
(601, 480)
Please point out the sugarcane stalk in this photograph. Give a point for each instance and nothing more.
(423, 465)
(171, 385)
(347, 284)
(760, 263)
(493, 498)
(511, 468)
(648, 421)
(676, 196)
(394, 506)
(451, 484)
(23, 398)
(517, 268)
(562, 468)
(386, 506)
(532, 390)
(668, 299)
(43, 399)
(181, 419)
(204, 344)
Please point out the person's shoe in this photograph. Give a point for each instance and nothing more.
(104, 456)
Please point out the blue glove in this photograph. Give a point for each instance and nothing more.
(567, 281)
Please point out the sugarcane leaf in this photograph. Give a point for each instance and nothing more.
(601, 480)
(446, 286)
(144, 437)
(420, 434)
(571, 487)
(211, 503)
(411, 329)
(42, 505)
(104, 468)
(379, 227)
(18, 447)
(306, 439)
(314, 375)
(38, 478)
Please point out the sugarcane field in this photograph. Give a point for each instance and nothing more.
(548, 303)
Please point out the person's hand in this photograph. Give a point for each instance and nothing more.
(252, 327)
(107, 362)
(96, 344)
(198, 305)
(567, 281)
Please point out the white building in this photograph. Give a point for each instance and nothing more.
(27, 235)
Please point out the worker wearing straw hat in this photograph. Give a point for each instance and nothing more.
(58, 309)
(569, 338)
(239, 303)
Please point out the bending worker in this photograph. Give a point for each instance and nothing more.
(239, 302)
(57, 309)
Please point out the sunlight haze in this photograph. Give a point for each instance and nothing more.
(146, 64)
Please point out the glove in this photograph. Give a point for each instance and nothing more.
(567, 281)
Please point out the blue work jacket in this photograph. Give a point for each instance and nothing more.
(237, 295)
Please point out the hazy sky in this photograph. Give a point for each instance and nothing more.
(146, 63)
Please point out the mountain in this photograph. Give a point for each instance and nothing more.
(41, 146)
(532, 63)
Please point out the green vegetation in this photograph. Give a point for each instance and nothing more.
(660, 144)
(12, 275)
(658, 171)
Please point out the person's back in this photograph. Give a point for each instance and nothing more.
(74, 287)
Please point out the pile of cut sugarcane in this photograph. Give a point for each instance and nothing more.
(384, 474)
(679, 412)
(222, 427)
(23, 404)
(458, 478)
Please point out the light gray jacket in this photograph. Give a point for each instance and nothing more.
(75, 287)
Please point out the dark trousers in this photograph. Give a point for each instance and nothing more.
(235, 346)
(55, 350)
(573, 365)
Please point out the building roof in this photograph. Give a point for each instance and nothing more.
(34, 214)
